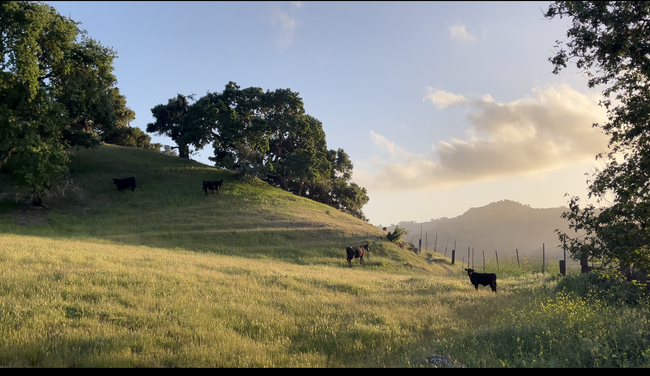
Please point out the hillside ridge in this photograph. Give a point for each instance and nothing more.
(504, 226)
(169, 209)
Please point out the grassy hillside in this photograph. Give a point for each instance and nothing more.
(256, 277)
(169, 209)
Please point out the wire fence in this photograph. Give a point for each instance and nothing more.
(539, 261)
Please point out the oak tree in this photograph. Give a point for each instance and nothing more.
(610, 43)
(264, 134)
(57, 90)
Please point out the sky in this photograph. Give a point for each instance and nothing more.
(441, 106)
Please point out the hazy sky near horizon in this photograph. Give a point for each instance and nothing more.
(442, 106)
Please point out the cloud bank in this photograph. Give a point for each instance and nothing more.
(549, 130)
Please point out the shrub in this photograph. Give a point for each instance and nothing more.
(609, 285)
(397, 234)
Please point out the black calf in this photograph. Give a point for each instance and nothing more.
(483, 279)
(212, 185)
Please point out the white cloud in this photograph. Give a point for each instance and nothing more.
(391, 148)
(286, 26)
(549, 130)
(458, 32)
(444, 99)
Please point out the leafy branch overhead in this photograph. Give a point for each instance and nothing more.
(265, 134)
(610, 43)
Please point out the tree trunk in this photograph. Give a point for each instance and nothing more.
(183, 151)
(4, 155)
(280, 180)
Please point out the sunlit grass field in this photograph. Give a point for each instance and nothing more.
(255, 277)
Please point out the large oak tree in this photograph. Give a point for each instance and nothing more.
(57, 90)
(610, 43)
(265, 134)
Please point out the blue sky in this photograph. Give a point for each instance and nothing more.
(442, 106)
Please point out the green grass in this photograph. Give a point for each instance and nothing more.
(67, 303)
(562, 330)
(256, 277)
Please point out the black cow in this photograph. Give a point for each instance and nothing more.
(125, 184)
(357, 252)
(482, 279)
(212, 185)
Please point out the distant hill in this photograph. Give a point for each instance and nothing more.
(503, 226)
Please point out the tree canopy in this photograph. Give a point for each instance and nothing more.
(610, 43)
(132, 137)
(265, 134)
(57, 90)
(173, 120)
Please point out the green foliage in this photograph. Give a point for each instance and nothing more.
(132, 137)
(609, 41)
(349, 198)
(397, 234)
(560, 330)
(56, 91)
(167, 150)
(609, 286)
(173, 120)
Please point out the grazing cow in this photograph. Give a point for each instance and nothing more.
(482, 279)
(357, 252)
(212, 185)
(125, 184)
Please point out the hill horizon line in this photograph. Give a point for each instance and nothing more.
(505, 201)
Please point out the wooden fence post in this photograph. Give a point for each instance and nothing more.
(543, 258)
(564, 248)
(435, 244)
(483, 260)
(563, 268)
(453, 256)
(497, 255)
(468, 257)
(584, 263)
(472, 257)
(517, 250)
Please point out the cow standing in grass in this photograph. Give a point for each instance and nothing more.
(357, 252)
(125, 184)
(482, 279)
(212, 185)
